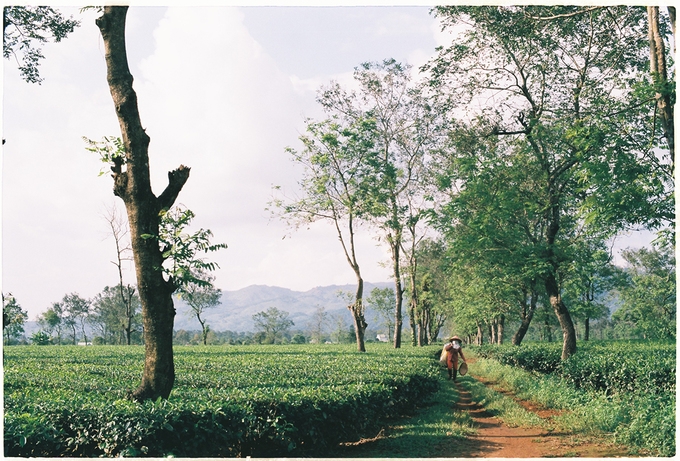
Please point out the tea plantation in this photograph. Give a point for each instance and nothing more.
(295, 400)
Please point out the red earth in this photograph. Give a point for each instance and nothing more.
(494, 439)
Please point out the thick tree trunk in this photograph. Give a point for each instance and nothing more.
(562, 313)
(552, 286)
(132, 183)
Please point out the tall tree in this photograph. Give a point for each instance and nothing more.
(434, 294)
(132, 183)
(13, 317)
(120, 233)
(339, 161)
(590, 136)
(665, 87)
(587, 280)
(404, 132)
(200, 297)
(76, 310)
(648, 292)
(52, 320)
(25, 29)
(381, 300)
(272, 323)
(116, 319)
(317, 324)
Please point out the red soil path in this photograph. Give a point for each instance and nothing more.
(494, 439)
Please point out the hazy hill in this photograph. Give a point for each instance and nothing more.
(238, 307)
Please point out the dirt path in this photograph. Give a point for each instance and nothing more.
(493, 439)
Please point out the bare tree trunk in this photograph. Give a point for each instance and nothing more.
(129, 314)
(568, 331)
(436, 323)
(657, 66)
(357, 310)
(415, 317)
(500, 326)
(552, 286)
(528, 309)
(480, 334)
(132, 184)
(395, 244)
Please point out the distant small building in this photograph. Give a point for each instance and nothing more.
(382, 338)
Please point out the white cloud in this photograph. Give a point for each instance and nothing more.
(210, 97)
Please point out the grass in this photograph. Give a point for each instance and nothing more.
(438, 422)
(504, 408)
(418, 436)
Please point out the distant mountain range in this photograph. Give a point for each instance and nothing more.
(235, 313)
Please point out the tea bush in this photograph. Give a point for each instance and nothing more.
(295, 400)
(611, 366)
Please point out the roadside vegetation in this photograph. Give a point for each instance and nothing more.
(624, 390)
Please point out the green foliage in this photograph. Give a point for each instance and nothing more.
(611, 367)
(272, 323)
(382, 300)
(540, 357)
(180, 249)
(110, 150)
(652, 422)
(648, 293)
(13, 317)
(26, 28)
(40, 338)
(631, 366)
(110, 316)
(227, 401)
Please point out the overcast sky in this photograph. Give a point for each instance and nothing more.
(223, 90)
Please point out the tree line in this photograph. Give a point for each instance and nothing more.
(107, 319)
(499, 175)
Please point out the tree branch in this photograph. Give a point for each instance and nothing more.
(176, 180)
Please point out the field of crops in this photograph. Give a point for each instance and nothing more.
(227, 401)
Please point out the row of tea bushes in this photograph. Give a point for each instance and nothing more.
(268, 401)
(608, 366)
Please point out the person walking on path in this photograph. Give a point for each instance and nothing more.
(453, 349)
